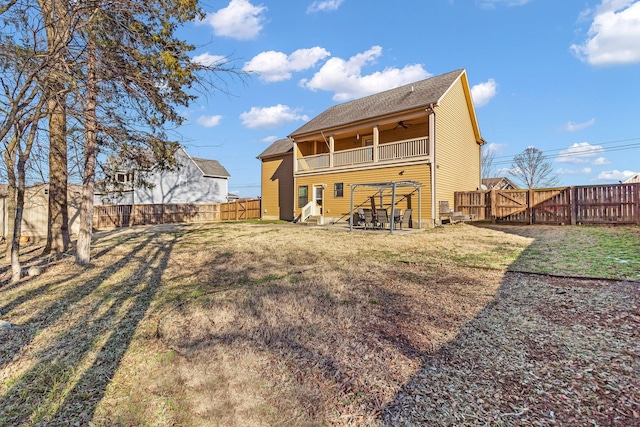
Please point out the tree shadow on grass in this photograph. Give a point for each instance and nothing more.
(50, 284)
(74, 368)
(341, 348)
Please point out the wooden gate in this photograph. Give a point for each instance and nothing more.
(551, 206)
(510, 205)
(240, 210)
(594, 204)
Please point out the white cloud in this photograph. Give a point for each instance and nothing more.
(270, 117)
(208, 60)
(572, 127)
(583, 171)
(614, 35)
(615, 175)
(275, 66)
(240, 20)
(483, 92)
(324, 6)
(601, 161)
(209, 121)
(345, 78)
(270, 138)
(494, 148)
(503, 171)
(492, 4)
(579, 152)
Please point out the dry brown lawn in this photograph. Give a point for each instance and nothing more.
(271, 324)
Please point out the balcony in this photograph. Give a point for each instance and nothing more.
(392, 152)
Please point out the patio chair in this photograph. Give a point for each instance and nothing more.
(358, 217)
(368, 218)
(446, 213)
(382, 218)
(406, 218)
(397, 215)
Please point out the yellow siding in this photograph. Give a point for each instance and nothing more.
(413, 130)
(338, 208)
(457, 154)
(277, 188)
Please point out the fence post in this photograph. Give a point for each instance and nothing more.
(636, 199)
(530, 204)
(573, 206)
(493, 207)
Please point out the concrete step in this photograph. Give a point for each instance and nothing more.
(312, 221)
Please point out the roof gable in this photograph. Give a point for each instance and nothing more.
(499, 183)
(281, 146)
(404, 98)
(211, 168)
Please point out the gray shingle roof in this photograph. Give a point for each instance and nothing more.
(281, 146)
(498, 182)
(425, 92)
(211, 167)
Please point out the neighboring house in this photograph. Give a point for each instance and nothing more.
(193, 181)
(277, 180)
(423, 134)
(36, 209)
(635, 178)
(500, 183)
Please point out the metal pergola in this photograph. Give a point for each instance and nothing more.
(381, 186)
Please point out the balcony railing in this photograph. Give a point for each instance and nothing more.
(318, 161)
(389, 152)
(353, 157)
(403, 149)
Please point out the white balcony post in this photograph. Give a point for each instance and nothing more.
(331, 148)
(295, 157)
(376, 141)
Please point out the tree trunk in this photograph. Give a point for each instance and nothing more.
(58, 238)
(57, 23)
(11, 206)
(9, 161)
(83, 250)
(16, 268)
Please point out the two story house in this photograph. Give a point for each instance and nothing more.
(194, 180)
(405, 148)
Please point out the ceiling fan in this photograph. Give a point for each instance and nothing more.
(402, 124)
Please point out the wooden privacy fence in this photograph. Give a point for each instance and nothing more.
(109, 216)
(593, 204)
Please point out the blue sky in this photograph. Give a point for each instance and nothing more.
(562, 76)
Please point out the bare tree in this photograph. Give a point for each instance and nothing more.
(533, 170)
(22, 66)
(488, 156)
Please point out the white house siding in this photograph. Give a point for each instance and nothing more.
(185, 185)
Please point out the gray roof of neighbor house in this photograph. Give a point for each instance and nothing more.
(281, 146)
(632, 179)
(211, 168)
(404, 98)
(497, 181)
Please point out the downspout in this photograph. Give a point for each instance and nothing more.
(432, 153)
